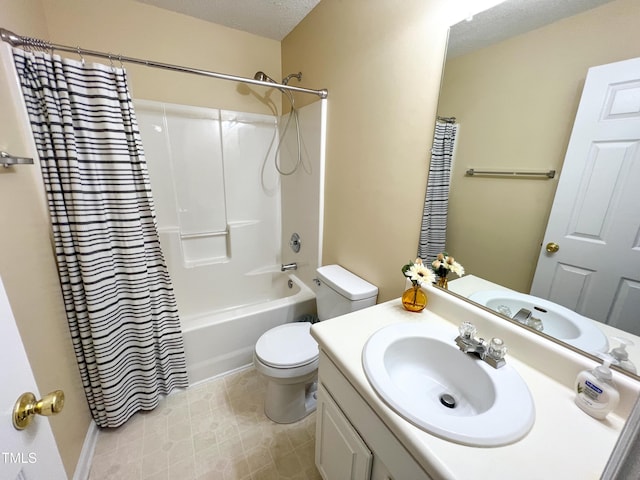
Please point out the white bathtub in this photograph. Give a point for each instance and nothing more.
(221, 341)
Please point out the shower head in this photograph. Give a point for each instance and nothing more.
(285, 80)
(263, 77)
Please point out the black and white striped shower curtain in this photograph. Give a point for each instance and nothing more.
(433, 232)
(118, 295)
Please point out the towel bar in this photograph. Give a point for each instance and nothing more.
(549, 173)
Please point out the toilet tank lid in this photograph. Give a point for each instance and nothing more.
(346, 283)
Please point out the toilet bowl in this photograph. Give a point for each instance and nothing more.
(287, 355)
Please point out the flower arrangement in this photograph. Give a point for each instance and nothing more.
(414, 299)
(443, 264)
(418, 273)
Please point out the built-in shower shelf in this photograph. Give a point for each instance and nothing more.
(185, 236)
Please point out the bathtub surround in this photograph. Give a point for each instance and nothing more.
(219, 201)
(223, 341)
(118, 296)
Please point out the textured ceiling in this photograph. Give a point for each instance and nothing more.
(267, 18)
(510, 18)
(276, 18)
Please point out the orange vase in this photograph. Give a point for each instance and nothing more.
(414, 299)
(443, 282)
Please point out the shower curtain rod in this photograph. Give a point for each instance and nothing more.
(18, 41)
(447, 119)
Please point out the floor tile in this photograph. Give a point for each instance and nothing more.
(216, 430)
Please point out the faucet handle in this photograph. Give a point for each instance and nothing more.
(497, 349)
(467, 330)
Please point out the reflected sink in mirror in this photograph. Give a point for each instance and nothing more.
(418, 370)
(557, 321)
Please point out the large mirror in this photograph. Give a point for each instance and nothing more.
(513, 80)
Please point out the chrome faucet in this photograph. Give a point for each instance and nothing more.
(492, 352)
(522, 316)
(525, 317)
(289, 266)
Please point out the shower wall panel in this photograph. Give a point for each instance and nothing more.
(303, 191)
(217, 198)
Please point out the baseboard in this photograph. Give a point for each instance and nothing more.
(83, 467)
(233, 369)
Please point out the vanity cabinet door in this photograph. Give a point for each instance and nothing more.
(379, 471)
(340, 452)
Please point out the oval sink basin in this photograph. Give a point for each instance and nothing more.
(417, 369)
(557, 321)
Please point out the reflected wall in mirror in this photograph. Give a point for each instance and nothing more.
(515, 102)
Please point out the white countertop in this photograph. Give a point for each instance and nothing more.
(564, 441)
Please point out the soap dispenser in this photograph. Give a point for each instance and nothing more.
(621, 356)
(595, 392)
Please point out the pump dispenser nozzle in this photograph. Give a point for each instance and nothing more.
(621, 356)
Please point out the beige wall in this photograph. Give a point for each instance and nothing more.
(382, 65)
(137, 30)
(27, 266)
(515, 102)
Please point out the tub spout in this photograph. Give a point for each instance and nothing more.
(289, 266)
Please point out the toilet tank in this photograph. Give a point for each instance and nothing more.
(341, 292)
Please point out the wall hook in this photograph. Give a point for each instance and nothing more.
(8, 160)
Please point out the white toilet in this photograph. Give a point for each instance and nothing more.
(287, 355)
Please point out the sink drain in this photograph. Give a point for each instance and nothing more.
(447, 400)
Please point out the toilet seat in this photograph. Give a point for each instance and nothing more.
(287, 346)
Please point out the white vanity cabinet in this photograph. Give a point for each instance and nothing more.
(395, 449)
(352, 443)
(340, 452)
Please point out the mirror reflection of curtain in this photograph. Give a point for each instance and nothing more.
(117, 292)
(433, 232)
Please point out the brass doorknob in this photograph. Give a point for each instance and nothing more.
(27, 407)
(552, 247)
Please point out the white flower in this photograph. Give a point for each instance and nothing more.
(420, 274)
(456, 268)
(443, 264)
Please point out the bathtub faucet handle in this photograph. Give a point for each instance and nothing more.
(295, 243)
(289, 266)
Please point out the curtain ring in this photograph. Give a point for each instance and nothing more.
(120, 60)
(113, 68)
(80, 55)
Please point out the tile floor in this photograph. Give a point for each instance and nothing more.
(213, 431)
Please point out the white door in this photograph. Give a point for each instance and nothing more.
(29, 454)
(595, 218)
